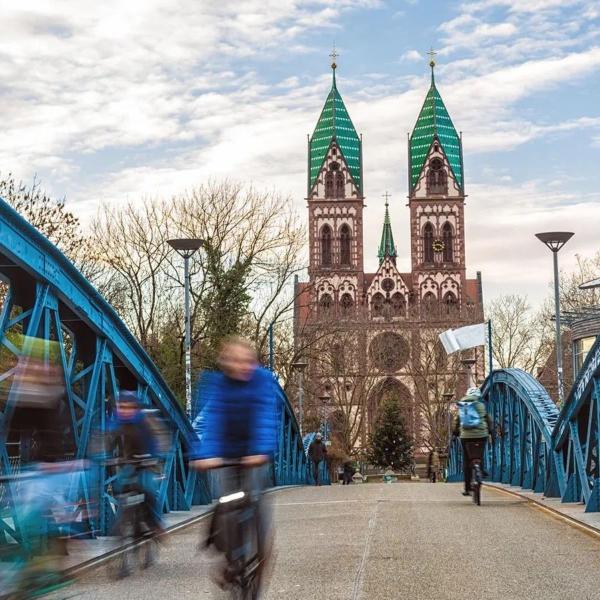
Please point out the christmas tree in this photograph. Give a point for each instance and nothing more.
(390, 445)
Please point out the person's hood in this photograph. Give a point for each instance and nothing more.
(470, 398)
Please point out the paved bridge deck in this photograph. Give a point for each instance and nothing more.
(377, 541)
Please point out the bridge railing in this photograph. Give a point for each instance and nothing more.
(43, 296)
(535, 446)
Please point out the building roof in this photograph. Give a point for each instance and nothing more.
(335, 124)
(434, 122)
(387, 246)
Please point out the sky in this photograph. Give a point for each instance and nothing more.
(120, 101)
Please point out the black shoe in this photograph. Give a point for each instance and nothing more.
(466, 493)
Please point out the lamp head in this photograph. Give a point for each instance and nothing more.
(555, 240)
(186, 246)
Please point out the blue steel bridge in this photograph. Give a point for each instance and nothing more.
(362, 541)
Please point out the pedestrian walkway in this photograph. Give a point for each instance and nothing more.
(376, 541)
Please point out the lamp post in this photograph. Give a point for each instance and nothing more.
(186, 248)
(300, 366)
(555, 240)
(468, 364)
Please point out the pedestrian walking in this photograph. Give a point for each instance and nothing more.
(317, 451)
(348, 472)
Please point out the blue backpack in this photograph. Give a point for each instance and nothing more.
(469, 415)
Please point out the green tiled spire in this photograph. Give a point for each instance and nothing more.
(433, 121)
(335, 124)
(387, 246)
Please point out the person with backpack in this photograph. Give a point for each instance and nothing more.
(317, 451)
(473, 425)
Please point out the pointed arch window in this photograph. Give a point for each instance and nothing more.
(326, 246)
(345, 244)
(325, 306)
(428, 243)
(340, 184)
(430, 305)
(398, 305)
(450, 304)
(347, 305)
(377, 303)
(448, 238)
(437, 178)
(331, 180)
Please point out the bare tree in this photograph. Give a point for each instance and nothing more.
(520, 337)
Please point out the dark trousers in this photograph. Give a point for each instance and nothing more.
(473, 449)
(316, 464)
(348, 477)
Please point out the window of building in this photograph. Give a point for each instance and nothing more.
(429, 304)
(347, 305)
(581, 347)
(345, 237)
(428, 243)
(340, 185)
(332, 181)
(398, 305)
(325, 305)
(450, 304)
(377, 303)
(437, 178)
(326, 246)
(448, 243)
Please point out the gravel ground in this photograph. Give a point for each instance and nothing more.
(398, 541)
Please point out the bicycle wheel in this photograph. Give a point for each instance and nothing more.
(476, 485)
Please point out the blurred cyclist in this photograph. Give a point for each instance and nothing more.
(133, 431)
(473, 428)
(238, 421)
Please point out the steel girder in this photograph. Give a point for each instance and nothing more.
(47, 297)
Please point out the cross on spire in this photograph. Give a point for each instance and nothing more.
(432, 53)
(387, 197)
(333, 56)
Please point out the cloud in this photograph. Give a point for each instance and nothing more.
(412, 55)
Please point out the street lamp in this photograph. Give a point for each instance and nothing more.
(300, 366)
(555, 240)
(186, 248)
(468, 364)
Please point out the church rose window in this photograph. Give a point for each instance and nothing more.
(448, 243)
(389, 351)
(325, 304)
(377, 305)
(345, 246)
(428, 243)
(347, 304)
(398, 305)
(326, 246)
(387, 285)
(437, 178)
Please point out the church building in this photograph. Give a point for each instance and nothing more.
(368, 336)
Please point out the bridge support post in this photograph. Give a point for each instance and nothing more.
(573, 490)
(593, 503)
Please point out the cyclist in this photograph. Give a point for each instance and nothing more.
(137, 438)
(238, 422)
(473, 435)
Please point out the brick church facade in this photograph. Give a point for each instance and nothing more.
(372, 335)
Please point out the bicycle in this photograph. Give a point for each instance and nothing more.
(136, 525)
(236, 532)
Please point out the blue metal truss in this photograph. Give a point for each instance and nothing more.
(537, 447)
(48, 298)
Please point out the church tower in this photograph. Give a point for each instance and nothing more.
(335, 207)
(436, 201)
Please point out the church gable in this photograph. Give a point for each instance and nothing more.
(387, 294)
(334, 180)
(437, 177)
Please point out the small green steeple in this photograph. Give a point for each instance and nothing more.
(334, 124)
(387, 246)
(434, 122)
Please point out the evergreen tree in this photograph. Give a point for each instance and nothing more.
(390, 445)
